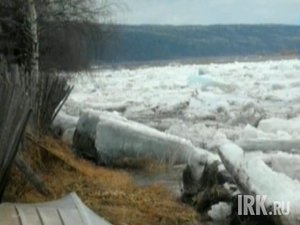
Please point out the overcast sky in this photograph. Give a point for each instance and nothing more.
(180, 12)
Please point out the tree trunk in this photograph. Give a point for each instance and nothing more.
(32, 64)
(33, 32)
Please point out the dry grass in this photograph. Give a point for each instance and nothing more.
(111, 193)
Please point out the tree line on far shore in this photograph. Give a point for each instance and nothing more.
(79, 45)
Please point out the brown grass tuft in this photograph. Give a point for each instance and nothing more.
(110, 193)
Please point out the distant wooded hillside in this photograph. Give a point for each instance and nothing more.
(73, 45)
(147, 43)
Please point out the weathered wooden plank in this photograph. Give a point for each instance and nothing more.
(67, 211)
(28, 215)
(71, 217)
(49, 216)
(9, 215)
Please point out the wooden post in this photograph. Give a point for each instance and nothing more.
(31, 176)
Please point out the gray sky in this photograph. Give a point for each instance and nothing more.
(210, 12)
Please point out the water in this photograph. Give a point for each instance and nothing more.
(170, 178)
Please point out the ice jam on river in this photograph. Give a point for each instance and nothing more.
(210, 107)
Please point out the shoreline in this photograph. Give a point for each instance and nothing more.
(194, 61)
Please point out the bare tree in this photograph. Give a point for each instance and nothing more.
(25, 19)
(22, 21)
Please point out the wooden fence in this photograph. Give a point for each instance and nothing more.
(14, 114)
